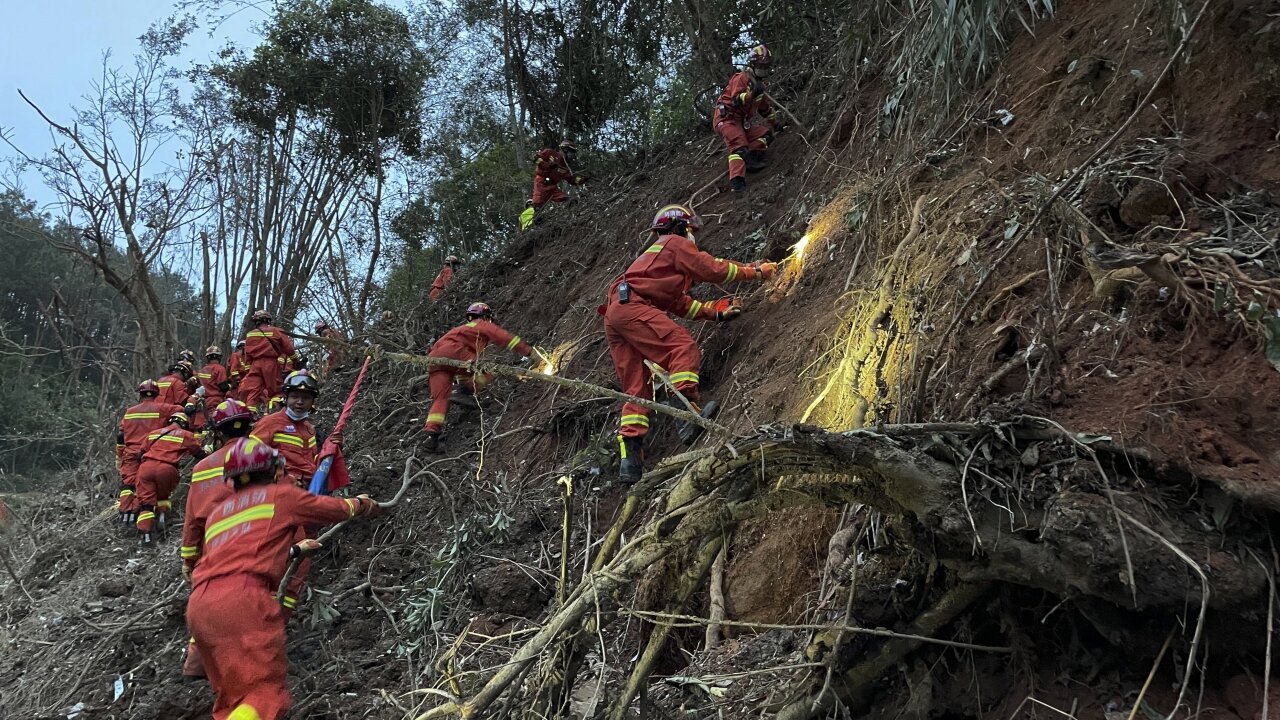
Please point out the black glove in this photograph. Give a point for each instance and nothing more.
(548, 181)
(757, 88)
(224, 386)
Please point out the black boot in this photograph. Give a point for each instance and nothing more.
(755, 160)
(738, 184)
(464, 397)
(688, 432)
(432, 443)
(630, 459)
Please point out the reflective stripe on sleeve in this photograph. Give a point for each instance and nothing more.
(693, 310)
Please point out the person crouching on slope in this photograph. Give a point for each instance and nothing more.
(158, 474)
(742, 99)
(233, 615)
(138, 422)
(638, 326)
(464, 343)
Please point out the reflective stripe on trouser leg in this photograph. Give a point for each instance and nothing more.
(441, 383)
(635, 421)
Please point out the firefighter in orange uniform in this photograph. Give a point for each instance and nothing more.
(465, 343)
(138, 422)
(269, 352)
(233, 615)
(445, 277)
(334, 355)
(237, 367)
(290, 430)
(638, 326)
(213, 377)
(551, 167)
(158, 473)
(177, 386)
(743, 99)
(228, 420)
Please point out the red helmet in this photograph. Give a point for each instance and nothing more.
(260, 316)
(674, 219)
(181, 418)
(240, 344)
(230, 411)
(148, 387)
(213, 351)
(187, 355)
(184, 366)
(760, 60)
(320, 326)
(249, 455)
(479, 309)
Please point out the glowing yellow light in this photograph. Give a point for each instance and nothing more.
(548, 365)
(797, 250)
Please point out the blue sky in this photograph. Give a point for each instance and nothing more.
(52, 50)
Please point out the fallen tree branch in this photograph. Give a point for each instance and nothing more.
(523, 374)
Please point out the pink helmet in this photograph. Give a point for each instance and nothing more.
(479, 309)
(249, 455)
(229, 411)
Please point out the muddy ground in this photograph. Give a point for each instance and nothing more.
(879, 324)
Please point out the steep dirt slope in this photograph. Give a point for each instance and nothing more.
(878, 322)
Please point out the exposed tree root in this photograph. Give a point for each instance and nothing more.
(1062, 539)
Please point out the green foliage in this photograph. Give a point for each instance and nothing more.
(66, 342)
(352, 65)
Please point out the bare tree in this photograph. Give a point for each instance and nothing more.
(125, 174)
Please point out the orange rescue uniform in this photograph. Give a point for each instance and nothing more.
(233, 615)
(212, 377)
(550, 168)
(173, 389)
(268, 352)
(335, 354)
(441, 282)
(237, 368)
(735, 107)
(642, 329)
(138, 422)
(158, 474)
(465, 343)
(295, 439)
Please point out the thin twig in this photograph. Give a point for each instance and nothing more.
(694, 621)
